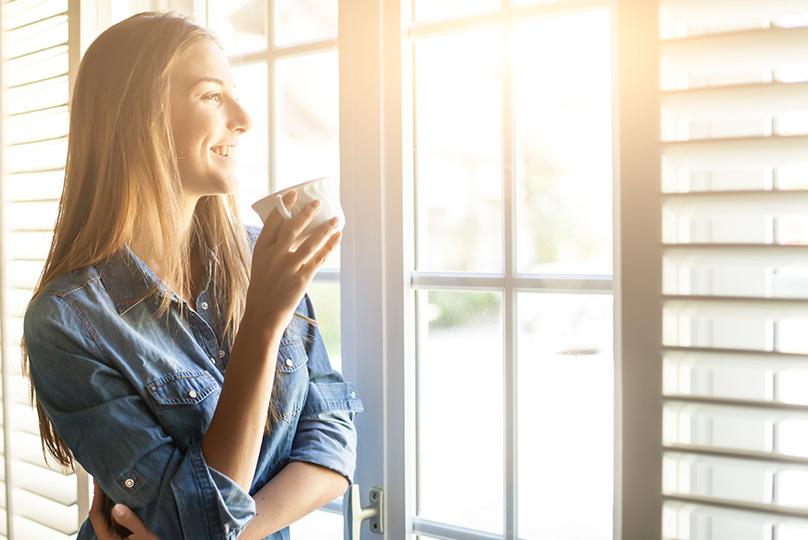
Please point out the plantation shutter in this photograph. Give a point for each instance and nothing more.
(734, 158)
(39, 502)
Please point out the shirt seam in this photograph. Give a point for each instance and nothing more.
(64, 297)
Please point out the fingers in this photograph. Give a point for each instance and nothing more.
(290, 232)
(274, 221)
(317, 260)
(316, 241)
(124, 516)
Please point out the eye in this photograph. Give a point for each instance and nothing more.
(215, 97)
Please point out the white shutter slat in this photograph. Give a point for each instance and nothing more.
(737, 153)
(736, 101)
(768, 459)
(697, 10)
(34, 186)
(705, 204)
(714, 357)
(757, 255)
(767, 510)
(744, 408)
(735, 307)
(752, 49)
(58, 487)
(27, 528)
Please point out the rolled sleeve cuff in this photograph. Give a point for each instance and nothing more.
(326, 434)
(220, 504)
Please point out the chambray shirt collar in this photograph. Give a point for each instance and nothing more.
(129, 280)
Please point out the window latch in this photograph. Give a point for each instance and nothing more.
(355, 513)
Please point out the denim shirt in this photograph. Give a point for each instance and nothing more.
(132, 396)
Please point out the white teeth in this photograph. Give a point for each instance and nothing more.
(227, 151)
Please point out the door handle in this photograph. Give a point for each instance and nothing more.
(355, 513)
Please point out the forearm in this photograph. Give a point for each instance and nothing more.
(233, 440)
(297, 490)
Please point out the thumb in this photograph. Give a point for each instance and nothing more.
(124, 516)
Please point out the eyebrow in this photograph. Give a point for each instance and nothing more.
(210, 79)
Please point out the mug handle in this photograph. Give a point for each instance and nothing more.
(277, 202)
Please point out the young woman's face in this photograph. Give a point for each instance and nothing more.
(206, 120)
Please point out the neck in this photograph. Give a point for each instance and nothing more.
(151, 252)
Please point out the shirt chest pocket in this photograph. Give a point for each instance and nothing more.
(184, 403)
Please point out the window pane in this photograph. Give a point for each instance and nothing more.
(564, 168)
(458, 166)
(253, 165)
(425, 10)
(307, 118)
(566, 425)
(304, 20)
(241, 25)
(317, 526)
(460, 415)
(326, 300)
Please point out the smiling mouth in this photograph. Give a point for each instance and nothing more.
(225, 151)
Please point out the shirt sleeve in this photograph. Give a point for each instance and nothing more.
(113, 433)
(325, 433)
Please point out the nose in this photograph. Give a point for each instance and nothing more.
(240, 120)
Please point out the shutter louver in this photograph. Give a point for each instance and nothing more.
(734, 116)
(41, 499)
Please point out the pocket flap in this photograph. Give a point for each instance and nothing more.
(182, 388)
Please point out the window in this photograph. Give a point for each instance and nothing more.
(512, 269)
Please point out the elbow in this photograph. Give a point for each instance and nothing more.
(339, 486)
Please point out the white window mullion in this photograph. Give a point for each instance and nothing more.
(509, 301)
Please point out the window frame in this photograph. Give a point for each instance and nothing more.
(378, 277)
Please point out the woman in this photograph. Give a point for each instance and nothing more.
(149, 296)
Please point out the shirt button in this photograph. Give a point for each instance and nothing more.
(204, 305)
(221, 353)
(129, 483)
(192, 394)
(290, 362)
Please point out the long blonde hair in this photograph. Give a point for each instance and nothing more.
(122, 176)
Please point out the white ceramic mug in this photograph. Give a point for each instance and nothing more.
(325, 189)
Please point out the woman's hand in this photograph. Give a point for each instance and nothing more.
(122, 517)
(280, 276)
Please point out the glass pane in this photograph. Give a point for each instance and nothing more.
(304, 20)
(317, 526)
(306, 118)
(241, 25)
(566, 425)
(426, 10)
(458, 165)
(564, 165)
(253, 165)
(326, 300)
(460, 415)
